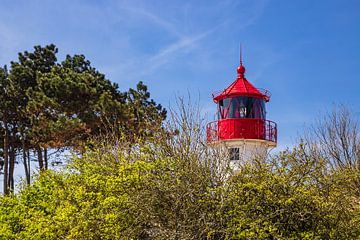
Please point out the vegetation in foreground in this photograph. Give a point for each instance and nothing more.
(172, 186)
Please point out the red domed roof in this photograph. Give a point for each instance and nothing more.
(241, 87)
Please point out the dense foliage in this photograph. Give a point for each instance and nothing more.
(173, 186)
(46, 105)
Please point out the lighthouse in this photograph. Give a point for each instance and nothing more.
(241, 125)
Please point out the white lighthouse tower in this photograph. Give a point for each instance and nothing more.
(241, 124)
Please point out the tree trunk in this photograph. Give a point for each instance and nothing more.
(28, 159)
(6, 156)
(25, 160)
(12, 156)
(40, 158)
(45, 159)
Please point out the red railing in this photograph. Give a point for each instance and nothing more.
(241, 128)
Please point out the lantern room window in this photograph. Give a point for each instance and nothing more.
(242, 107)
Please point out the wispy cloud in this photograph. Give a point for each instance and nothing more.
(150, 16)
(167, 53)
(179, 30)
(164, 55)
(183, 41)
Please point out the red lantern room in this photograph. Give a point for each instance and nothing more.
(241, 114)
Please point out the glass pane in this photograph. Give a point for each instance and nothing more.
(224, 108)
(242, 107)
(234, 153)
(220, 109)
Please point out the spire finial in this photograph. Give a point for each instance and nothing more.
(240, 54)
(241, 68)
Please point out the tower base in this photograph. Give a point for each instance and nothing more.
(242, 151)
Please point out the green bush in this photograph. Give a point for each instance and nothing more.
(150, 192)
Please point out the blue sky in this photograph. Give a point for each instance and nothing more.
(307, 53)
